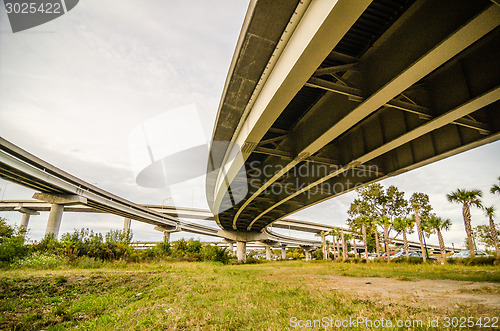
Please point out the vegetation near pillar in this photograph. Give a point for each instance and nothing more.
(419, 202)
(490, 213)
(467, 199)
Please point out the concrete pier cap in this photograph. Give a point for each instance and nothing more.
(167, 230)
(241, 238)
(58, 202)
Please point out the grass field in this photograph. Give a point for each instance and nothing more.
(191, 296)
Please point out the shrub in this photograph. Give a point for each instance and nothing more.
(40, 261)
(215, 254)
(475, 261)
(252, 260)
(187, 249)
(11, 248)
(48, 245)
(11, 243)
(164, 247)
(411, 260)
(86, 262)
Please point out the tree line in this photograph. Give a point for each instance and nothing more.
(377, 212)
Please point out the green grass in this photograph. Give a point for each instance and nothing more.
(191, 296)
(416, 271)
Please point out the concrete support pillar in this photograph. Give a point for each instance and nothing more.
(241, 251)
(54, 222)
(24, 223)
(126, 224)
(231, 247)
(268, 253)
(308, 254)
(283, 252)
(25, 218)
(58, 202)
(166, 236)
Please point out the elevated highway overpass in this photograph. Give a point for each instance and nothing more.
(60, 191)
(275, 239)
(323, 96)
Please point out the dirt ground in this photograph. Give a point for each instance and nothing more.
(437, 294)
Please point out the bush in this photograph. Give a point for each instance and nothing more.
(40, 261)
(475, 261)
(351, 260)
(86, 262)
(11, 243)
(252, 260)
(190, 250)
(411, 260)
(215, 254)
(11, 249)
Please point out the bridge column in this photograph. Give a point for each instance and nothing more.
(230, 245)
(166, 231)
(308, 254)
(126, 224)
(166, 236)
(23, 227)
(24, 223)
(54, 221)
(268, 253)
(58, 202)
(241, 251)
(283, 252)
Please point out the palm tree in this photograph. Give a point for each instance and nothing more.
(354, 245)
(377, 241)
(467, 199)
(386, 224)
(495, 189)
(344, 245)
(439, 224)
(364, 221)
(361, 209)
(420, 204)
(490, 213)
(335, 233)
(323, 245)
(404, 225)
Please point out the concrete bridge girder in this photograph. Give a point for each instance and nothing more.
(425, 118)
(310, 46)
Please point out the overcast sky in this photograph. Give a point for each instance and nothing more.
(74, 92)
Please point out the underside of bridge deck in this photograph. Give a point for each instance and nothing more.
(406, 84)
